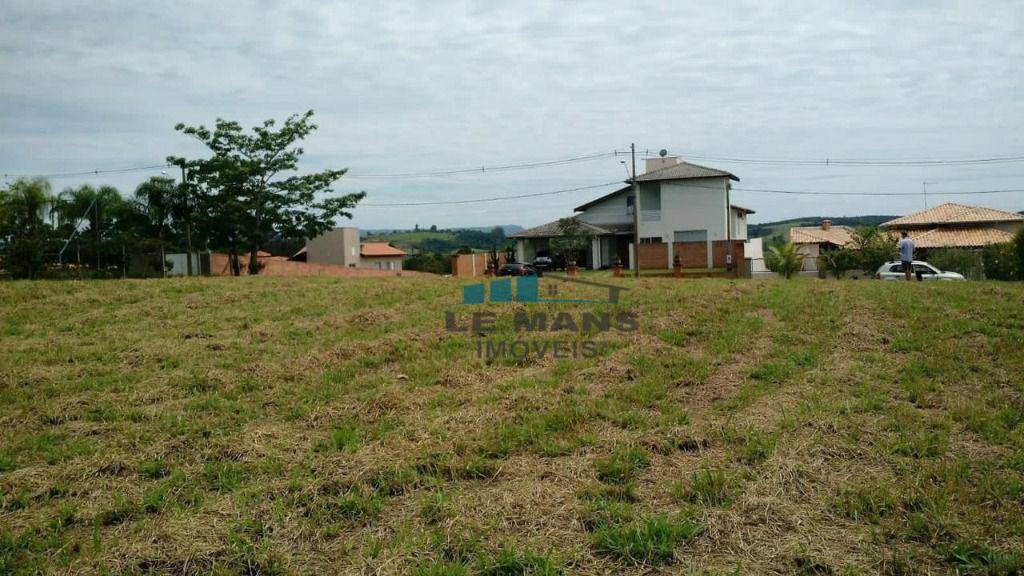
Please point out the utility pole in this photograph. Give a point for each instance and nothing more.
(188, 221)
(924, 189)
(636, 216)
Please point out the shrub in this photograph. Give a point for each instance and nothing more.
(1002, 261)
(1018, 248)
(840, 261)
(961, 260)
(784, 260)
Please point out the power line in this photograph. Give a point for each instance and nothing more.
(485, 169)
(493, 198)
(817, 193)
(89, 172)
(368, 176)
(861, 162)
(598, 156)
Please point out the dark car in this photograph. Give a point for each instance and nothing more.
(517, 269)
(548, 261)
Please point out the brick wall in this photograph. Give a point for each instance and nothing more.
(693, 254)
(654, 256)
(719, 249)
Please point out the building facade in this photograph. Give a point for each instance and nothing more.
(342, 247)
(685, 213)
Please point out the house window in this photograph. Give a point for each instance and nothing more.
(651, 240)
(650, 199)
(630, 203)
(691, 236)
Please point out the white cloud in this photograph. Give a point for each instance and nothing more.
(402, 87)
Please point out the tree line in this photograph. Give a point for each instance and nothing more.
(245, 195)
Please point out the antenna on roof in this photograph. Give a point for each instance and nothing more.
(663, 153)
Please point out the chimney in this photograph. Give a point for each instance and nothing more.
(826, 224)
(652, 164)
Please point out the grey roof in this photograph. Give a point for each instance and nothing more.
(742, 209)
(552, 230)
(684, 170)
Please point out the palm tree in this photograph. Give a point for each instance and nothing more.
(158, 194)
(784, 260)
(99, 207)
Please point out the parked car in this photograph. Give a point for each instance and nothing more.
(922, 270)
(517, 269)
(548, 261)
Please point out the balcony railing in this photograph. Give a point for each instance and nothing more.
(650, 215)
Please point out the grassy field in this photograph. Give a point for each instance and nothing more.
(276, 425)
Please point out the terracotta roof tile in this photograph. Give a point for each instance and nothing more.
(838, 235)
(959, 237)
(379, 249)
(953, 213)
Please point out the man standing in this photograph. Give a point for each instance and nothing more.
(907, 254)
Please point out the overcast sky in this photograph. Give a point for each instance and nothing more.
(400, 88)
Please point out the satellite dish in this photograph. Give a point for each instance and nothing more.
(663, 153)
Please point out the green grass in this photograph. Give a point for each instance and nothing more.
(647, 541)
(289, 426)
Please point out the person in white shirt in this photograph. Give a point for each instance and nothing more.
(907, 254)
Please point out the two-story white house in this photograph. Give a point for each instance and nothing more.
(684, 212)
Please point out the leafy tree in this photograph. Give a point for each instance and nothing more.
(24, 232)
(498, 235)
(433, 227)
(873, 247)
(785, 260)
(574, 237)
(839, 261)
(245, 193)
(429, 262)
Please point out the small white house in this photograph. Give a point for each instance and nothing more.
(816, 241)
(684, 212)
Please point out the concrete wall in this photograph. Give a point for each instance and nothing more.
(381, 262)
(739, 225)
(811, 253)
(695, 204)
(611, 211)
(339, 246)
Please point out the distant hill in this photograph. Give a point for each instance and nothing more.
(780, 229)
(443, 241)
(507, 228)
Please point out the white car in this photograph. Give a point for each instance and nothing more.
(894, 271)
